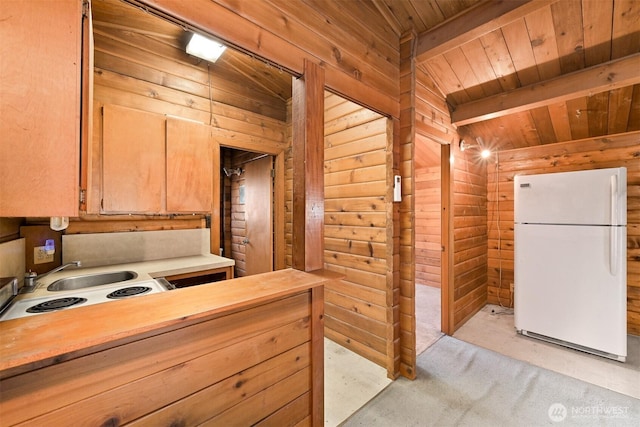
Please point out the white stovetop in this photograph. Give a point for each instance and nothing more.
(94, 295)
(146, 272)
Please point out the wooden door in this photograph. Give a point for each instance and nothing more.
(40, 75)
(189, 166)
(133, 161)
(258, 216)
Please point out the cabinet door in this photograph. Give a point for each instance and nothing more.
(189, 166)
(40, 79)
(133, 161)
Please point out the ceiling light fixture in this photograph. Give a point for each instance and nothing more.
(485, 153)
(464, 145)
(205, 48)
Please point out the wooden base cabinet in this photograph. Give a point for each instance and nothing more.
(246, 352)
(40, 85)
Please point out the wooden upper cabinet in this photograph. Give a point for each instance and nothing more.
(151, 164)
(133, 161)
(190, 151)
(40, 84)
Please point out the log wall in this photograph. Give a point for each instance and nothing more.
(593, 153)
(469, 234)
(225, 199)
(405, 128)
(424, 125)
(432, 128)
(428, 227)
(357, 204)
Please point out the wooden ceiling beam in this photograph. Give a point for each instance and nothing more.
(475, 22)
(600, 78)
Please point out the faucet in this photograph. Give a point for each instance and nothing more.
(31, 277)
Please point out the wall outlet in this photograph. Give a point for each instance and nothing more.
(40, 255)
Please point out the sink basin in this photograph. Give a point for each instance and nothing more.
(89, 280)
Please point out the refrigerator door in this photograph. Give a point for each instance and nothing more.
(594, 197)
(566, 287)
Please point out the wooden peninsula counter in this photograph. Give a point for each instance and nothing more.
(239, 352)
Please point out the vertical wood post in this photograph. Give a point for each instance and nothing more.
(317, 357)
(446, 276)
(308, 169)
(406, 329)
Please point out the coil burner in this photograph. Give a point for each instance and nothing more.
(128, 292)
(79, 298)
(56, 304)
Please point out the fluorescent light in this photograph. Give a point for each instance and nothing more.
(205, 48)
(485, 153)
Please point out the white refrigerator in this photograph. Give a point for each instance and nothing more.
(570, 266)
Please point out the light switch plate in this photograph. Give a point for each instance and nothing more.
(40, 255)
(397, 188)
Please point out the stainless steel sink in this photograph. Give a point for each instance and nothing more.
(89, 280)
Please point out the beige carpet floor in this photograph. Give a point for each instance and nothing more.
(461, 384)
(427, 317)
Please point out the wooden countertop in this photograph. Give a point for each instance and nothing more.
(31, 342)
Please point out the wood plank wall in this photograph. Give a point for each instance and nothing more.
(405, 130)
(433, 128)
(146, 74)
(358, 50)
(262, 358)
(428, 227)
(10, 229)
(356, 244)
(470, 234)
(433, 125)
(165, 82)
(225, 198)
(288, 189)
(593, 153)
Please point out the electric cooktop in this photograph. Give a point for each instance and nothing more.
(80, 298)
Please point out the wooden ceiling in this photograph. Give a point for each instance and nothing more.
(524, 73)
(514, 73)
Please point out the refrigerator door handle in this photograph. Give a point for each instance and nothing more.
(613, 236)
(614, 200)
(613, 250)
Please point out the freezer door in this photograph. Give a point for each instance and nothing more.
(584, 197)
(566, 287)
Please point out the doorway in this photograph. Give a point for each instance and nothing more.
(258, 202)
(428, 243)
(248, 210)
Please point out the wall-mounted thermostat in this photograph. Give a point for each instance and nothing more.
(397, 189)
